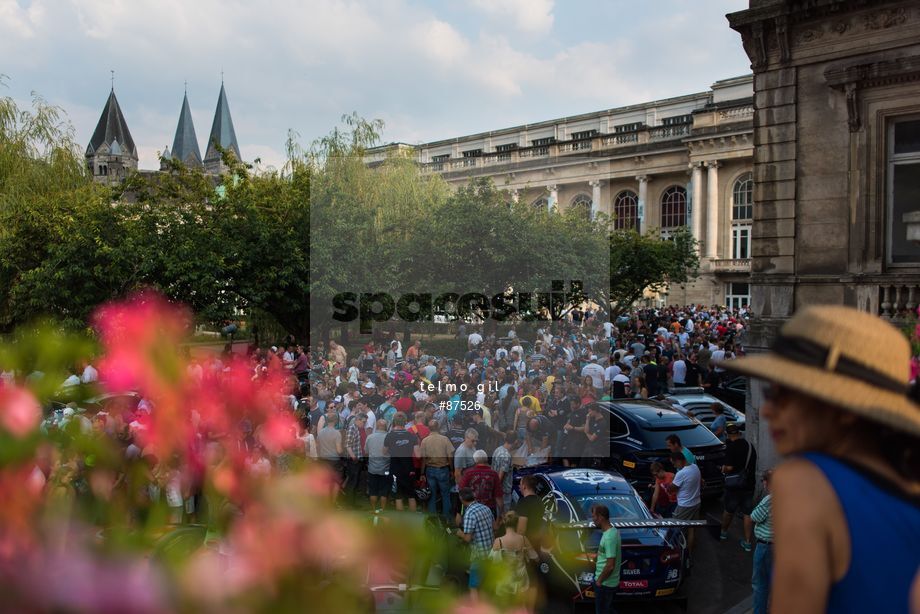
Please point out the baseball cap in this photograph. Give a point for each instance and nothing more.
(337, 399)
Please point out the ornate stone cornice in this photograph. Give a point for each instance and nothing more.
(851, 78)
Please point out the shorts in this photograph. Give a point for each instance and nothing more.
(379, 485)
(475, 573)
(687, 513)
(739, 500)
(405, 484)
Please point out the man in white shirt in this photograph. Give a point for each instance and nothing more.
(687, 483)
(90, 375)
(679, 371)
(611, 371)
(595, 371)
(474, 340)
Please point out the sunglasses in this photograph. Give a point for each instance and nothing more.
(775, 393)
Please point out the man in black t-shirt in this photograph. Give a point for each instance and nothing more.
(401, 446)
(530, 513)
(740, 459)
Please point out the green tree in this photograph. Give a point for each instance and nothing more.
(645, 262)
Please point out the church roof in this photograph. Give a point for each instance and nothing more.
(112, 129)
(222, 131)
(185, 144)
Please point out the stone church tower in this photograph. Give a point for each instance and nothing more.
(185, 144)
(111, 153)
(223, 134)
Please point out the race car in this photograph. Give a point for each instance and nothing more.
(654, 550)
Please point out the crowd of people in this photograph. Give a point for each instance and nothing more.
(443, 434)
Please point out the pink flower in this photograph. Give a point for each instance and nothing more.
(20, 412)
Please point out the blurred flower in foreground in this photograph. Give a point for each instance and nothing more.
(20, 412)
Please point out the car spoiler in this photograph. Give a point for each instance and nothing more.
(658, 523)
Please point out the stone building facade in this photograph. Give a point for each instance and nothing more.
(836, 158)
(684, 161)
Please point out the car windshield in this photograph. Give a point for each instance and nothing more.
(692, 436)
(622, 507)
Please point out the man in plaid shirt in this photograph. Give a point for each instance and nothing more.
(477, 532)
(354, 454)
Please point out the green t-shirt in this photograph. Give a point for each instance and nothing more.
(609, 547)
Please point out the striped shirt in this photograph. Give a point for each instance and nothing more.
(763, 520)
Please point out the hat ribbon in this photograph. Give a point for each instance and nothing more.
(811, 354)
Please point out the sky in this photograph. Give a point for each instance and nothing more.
(430, 70)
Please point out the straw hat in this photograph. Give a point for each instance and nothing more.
(848, 358)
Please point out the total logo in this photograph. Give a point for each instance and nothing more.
(630, 584)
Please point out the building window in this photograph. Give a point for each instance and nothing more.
(737, 295)
(903, 188)
(582, 203)
(743, 198)
(677, 120)
(627, 127)
(626, 211)
(541, 203)
(674, 207)
(586, 134)
(742, 214)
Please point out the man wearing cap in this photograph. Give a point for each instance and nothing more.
(846, 504)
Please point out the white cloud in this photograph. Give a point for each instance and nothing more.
(533, 16)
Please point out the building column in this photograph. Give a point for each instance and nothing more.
(696, 201)
(643, 194)
(595, 197)
(553, 197)
(712, 209)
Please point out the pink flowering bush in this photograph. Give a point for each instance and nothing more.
(84, 525)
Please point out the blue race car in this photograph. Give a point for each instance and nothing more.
(655, 555)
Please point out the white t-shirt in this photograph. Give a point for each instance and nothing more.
(611, 371)
(90, 375)
(688, 482)
(680, 372)
(608, 328)
(717, 356)
(475, 339)
(501, 353)
(596, 372)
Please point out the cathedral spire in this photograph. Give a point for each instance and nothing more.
(185, 144)
(222, 133)
(111, 153)
(112, 128)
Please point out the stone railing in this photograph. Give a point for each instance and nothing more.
(732, 265)
(898, 301)
(660, 133)
(737, 114)
(623, 138)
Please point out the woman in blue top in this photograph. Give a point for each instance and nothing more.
(846, 503)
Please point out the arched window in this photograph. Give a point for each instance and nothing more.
(743, 198)
(541, 203)
(674, 207)
(582, 203)
(626, 211)
(742, 213)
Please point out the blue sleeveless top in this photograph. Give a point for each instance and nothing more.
(884, 527)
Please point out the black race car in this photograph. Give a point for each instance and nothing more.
(654, 551)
